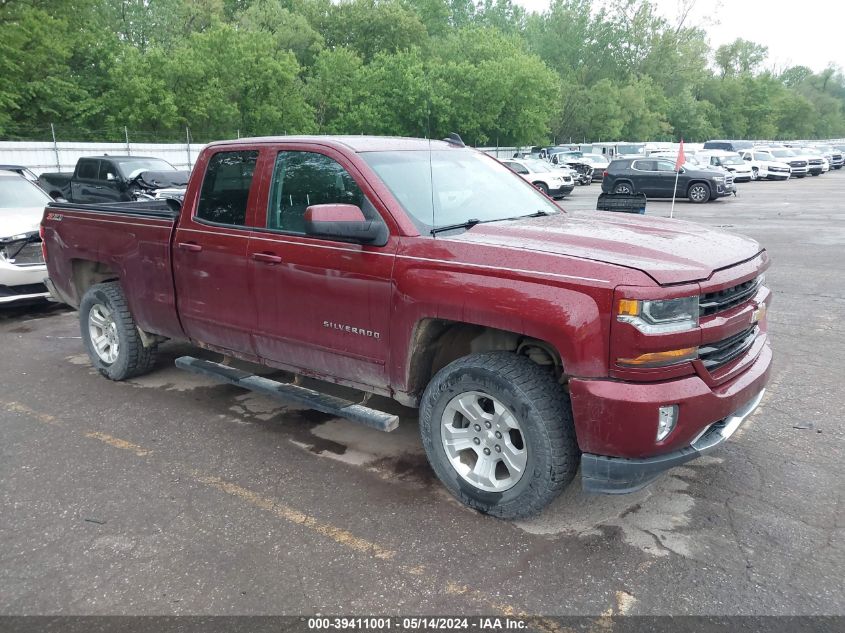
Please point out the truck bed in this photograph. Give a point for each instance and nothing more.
(127, 240)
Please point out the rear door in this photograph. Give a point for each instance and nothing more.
(644, 177)
(324, 304)
(210, 253)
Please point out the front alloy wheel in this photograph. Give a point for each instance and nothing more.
(497, 430)
(699, 193)
(483, 441)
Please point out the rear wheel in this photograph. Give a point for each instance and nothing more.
(497, 429)
(623, 187)
(110, 334)
(699, 192)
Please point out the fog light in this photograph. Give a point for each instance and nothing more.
(667, 417)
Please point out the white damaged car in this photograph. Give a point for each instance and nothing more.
(22, 268)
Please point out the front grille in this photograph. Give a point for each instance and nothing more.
(713, 302)
(715, 355)
(29, 255)
(783, 169)
(816, 161)
(798, 163)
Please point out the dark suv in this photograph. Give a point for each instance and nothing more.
(655, 178)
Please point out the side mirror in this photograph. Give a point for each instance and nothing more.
(345, 222)
(110, 176)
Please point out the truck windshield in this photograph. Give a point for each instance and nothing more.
(131, 167)
(731, 160)
(18, 193)
(445, 187)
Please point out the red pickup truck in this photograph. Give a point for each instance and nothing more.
(531, 339)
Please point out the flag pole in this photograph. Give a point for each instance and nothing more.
(679, 163)
(674, 191)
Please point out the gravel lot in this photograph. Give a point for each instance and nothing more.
(170, 494)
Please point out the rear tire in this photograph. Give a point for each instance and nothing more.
(623, 187)
(497, 429)
(110, 334)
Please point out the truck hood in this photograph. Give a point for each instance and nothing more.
(669, 251)
(18, 221)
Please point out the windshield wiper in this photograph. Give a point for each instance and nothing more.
(468, 224)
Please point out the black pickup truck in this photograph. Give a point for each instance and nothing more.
(116, 179)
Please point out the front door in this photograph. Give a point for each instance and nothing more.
(324, 305)
(210, 254)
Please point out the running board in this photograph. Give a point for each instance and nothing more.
(295, 394)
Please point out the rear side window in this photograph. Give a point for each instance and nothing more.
(302, 179)
(225, 190)
(87, 169)
(643, 165)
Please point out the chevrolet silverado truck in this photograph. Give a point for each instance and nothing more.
(531, 340)
(102, 179)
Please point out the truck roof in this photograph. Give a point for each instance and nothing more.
(354, 143)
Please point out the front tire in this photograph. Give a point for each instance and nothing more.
(755, 173)
(699, 193)
(497, 429)
(110, 334)
(541, 186)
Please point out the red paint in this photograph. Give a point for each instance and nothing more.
(348, 312)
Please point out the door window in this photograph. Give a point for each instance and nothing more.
(665, 165)
(643, 165)
(302, 179)
(516, 167)
(107, 171)
(87, 169)
(225, 189)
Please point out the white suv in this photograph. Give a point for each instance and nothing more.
(553, 182)
(731, 161)
(764, 166)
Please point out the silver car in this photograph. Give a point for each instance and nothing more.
(22, 268)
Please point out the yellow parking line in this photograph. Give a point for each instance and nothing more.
(118, 443)
(17, 407)
(339, 535)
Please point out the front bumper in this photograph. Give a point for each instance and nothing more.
(616, 421)
(617, 475)
(563, 190)
(21, 283)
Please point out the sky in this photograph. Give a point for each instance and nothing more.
(809, 32)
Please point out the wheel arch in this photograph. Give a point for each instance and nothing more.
(86, 273)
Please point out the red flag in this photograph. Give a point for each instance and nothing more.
(681, 158)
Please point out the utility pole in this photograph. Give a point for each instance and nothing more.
(55, 147)
(188, 144)
(126, 134)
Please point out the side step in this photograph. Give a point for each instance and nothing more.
(287, 392)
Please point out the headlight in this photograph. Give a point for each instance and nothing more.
(719, 178)
(659, 316)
